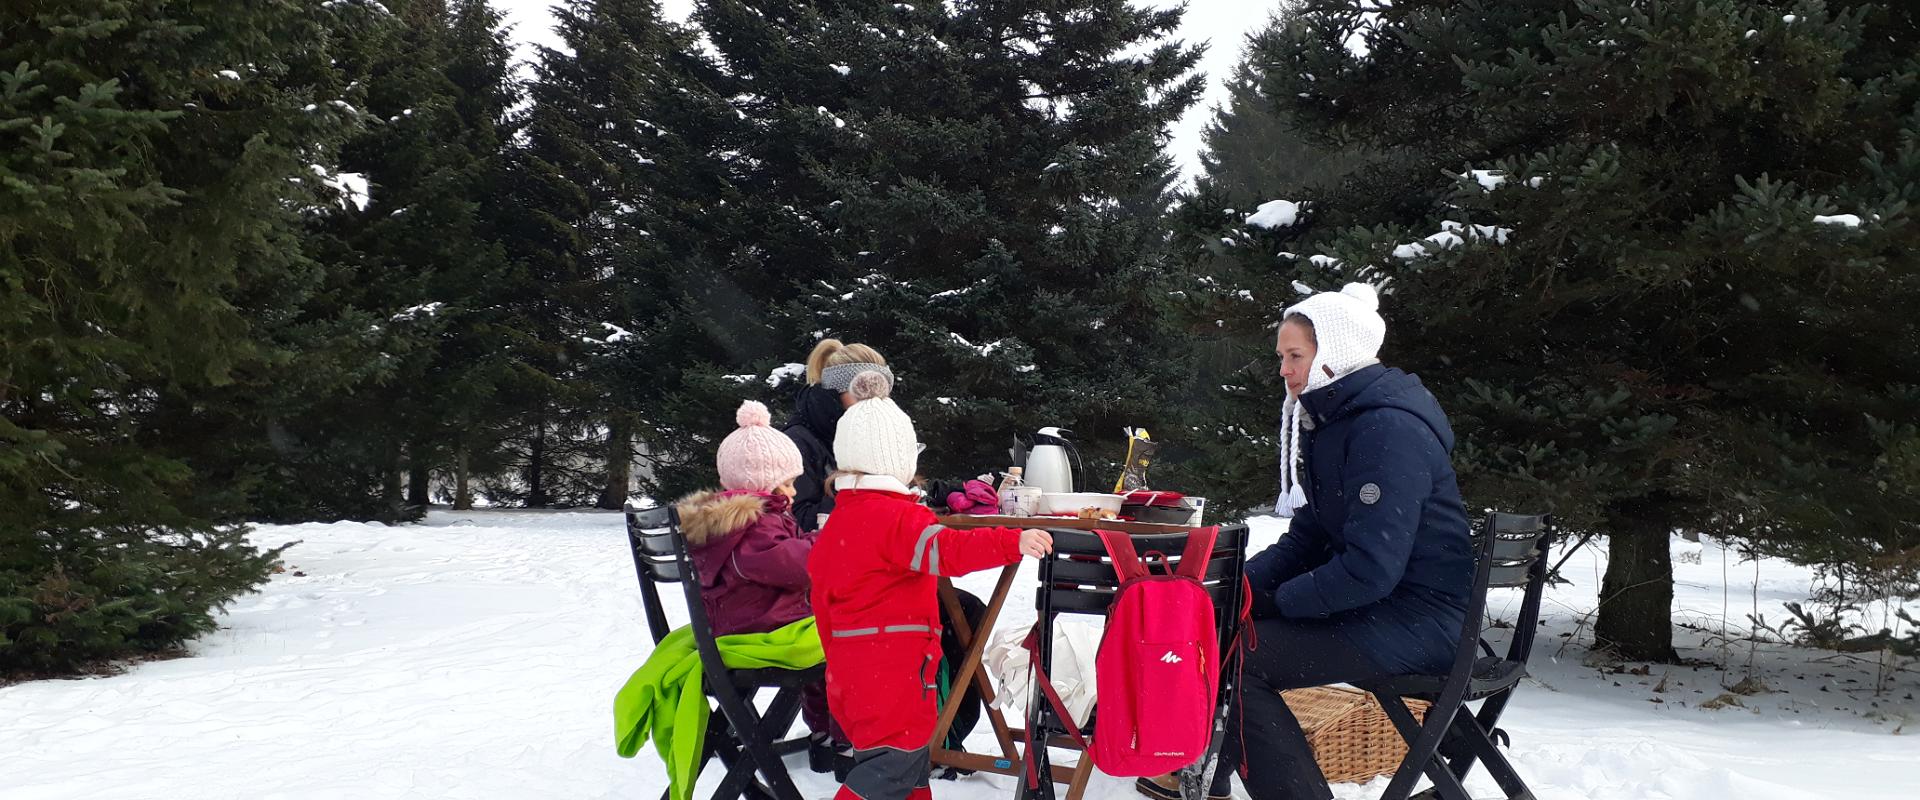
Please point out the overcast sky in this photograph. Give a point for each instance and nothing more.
(1224, 23)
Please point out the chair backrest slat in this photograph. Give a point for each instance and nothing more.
(1514, 550)
(659, 556)
(1509, 576)
(1101, 573)
(1515, 546)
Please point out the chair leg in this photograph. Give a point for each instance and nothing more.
(1423, 745)
(739, 768)
(757, 737)
(1475, 737)
(1485, 719)
(746, 749)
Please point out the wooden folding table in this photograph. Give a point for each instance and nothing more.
(1010, 760)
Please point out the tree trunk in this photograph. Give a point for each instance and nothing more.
(419, 476)
(1636, 596)
(536, 461)
(619, 464)
(462, 494)
(391, 490)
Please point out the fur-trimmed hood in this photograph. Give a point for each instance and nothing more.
(709, 515)
(751, 558)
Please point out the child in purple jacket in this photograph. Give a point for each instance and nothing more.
(746, 546)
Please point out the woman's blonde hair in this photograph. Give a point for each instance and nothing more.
(833, 353)
(832, 484)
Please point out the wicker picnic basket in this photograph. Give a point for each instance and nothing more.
(1352, 739)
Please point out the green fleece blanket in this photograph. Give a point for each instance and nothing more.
(664, 700)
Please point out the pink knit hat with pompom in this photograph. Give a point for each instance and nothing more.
(757, 458)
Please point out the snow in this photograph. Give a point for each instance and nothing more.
(1489, 179)
(476, 655)
(1324, 261)
(1847, 220)
(1275, 214)
(416, 312)
(352, 186)
(841, 68)
(982, 349)
(1790, 19)
(229, 74)
(785, 372)
(1409, 251)
(615, 333)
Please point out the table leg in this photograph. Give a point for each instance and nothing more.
(971, 672)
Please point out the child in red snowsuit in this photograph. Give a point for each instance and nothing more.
(876, 568)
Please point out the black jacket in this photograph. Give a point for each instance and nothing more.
(816, 416)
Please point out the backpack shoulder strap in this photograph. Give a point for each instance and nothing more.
(1198, 553)
(1126, 560)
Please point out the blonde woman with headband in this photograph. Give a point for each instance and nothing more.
(816, 418)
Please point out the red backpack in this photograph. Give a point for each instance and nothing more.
(1158, 669)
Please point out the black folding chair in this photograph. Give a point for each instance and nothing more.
(742, 738)
(1079, 578)
(1511, 552)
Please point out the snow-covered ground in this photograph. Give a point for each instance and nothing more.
(477, 655)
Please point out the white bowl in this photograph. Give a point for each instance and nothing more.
(1073, 502)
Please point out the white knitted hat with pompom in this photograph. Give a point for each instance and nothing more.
(756, 458)
(875, 436)
(1348, 332)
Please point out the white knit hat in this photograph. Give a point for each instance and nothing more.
(1347, 332)
(875, 436)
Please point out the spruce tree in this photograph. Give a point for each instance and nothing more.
(587, 251)
(977, 190)
(424, 252)
(1654, 256)
(154, 160)
(1250, 149)
(1225, 237)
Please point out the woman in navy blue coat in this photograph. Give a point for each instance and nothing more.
(1372, 576)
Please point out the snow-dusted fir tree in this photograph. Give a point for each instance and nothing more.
(1259, 174)
(152, 163)
(586, 246)
(1250, 150)
(418, 251)
(1656, 257)
(976, 189)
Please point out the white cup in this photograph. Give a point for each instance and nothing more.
(1021, 501)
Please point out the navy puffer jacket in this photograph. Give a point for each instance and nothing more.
(1382, 546)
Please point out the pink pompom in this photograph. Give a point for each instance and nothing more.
(870, 386)
(753, 413)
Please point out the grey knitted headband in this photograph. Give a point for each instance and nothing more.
(839, 377)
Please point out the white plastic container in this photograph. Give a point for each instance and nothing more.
(1074, 502)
